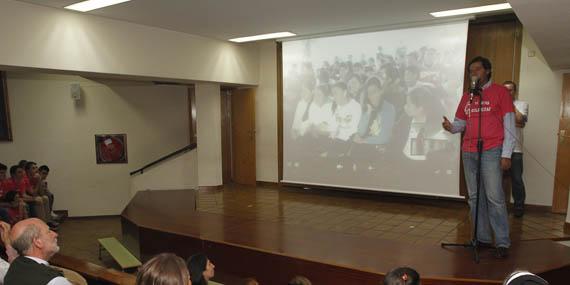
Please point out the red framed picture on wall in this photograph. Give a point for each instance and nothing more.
(111, 148)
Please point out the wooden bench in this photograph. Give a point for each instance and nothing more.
(94, 273)
(120, 254)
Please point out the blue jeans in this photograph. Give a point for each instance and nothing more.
(492, 208)
(517, 181)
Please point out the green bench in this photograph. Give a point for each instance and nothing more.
(120, 254)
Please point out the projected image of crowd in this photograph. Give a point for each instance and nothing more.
(358, 115)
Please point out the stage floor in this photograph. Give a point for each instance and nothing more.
(333, 237)
(413, 220)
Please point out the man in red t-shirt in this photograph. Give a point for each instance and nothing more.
(495, 106)
(41, 202)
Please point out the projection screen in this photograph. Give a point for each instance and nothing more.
(364, 110)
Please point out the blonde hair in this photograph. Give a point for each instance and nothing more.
(164, 269)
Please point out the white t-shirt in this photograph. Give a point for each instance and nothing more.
(320, 117)
(522, 107)
(346, 119)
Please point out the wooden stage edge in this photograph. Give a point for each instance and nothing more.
(273, 252)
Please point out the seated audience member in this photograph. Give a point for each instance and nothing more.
(9, 250)
(524, 278)
(41, 202)
(201, 269)
(378, 116)
(14, 194)
(299, 280)
(36, 244)
(44, 190)
(164, 269)
(402, 276)
(375, 126)
(425, 134)
(73, 277)
(4, 205)
(300, 122)
(346, 115)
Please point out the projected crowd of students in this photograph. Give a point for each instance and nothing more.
(358, 113)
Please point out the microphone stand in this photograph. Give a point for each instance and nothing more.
(474, 243)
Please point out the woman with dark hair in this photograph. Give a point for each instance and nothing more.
(201, 269)
(375, 126)
(425, 134)
(164, 269)
(378, 115)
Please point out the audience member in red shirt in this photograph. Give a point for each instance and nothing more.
(11, 210)
(40, 202)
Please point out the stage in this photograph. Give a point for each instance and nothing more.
(273, 233)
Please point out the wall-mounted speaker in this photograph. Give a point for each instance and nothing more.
(75, 90)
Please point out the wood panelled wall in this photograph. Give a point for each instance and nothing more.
(562, 176)
(498, 38)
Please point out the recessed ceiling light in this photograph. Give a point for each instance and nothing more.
(93, 4)
(262, 37)
(473, 10)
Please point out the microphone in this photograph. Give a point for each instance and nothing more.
(473, 87)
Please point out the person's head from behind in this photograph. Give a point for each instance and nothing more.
(164, 269)
(32, 237)
(373, 89)
(22, 163)
(524, 278)
(44, 171)
(201, 268)
(3, 170)
(481, 68)
(512, 88)
(402, 276)
(17, 172)
(31, 168)
(299, 280)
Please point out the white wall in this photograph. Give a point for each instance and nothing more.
(266, 141)
(177, 173)
(41, 37)
(49, 127)
(542, 89)
(209, 134)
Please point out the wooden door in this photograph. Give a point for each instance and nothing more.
(498, 38)
(562, 174)
(226, 111)
(243, 136)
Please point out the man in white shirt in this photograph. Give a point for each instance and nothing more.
(36, 244)
(521, 117)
